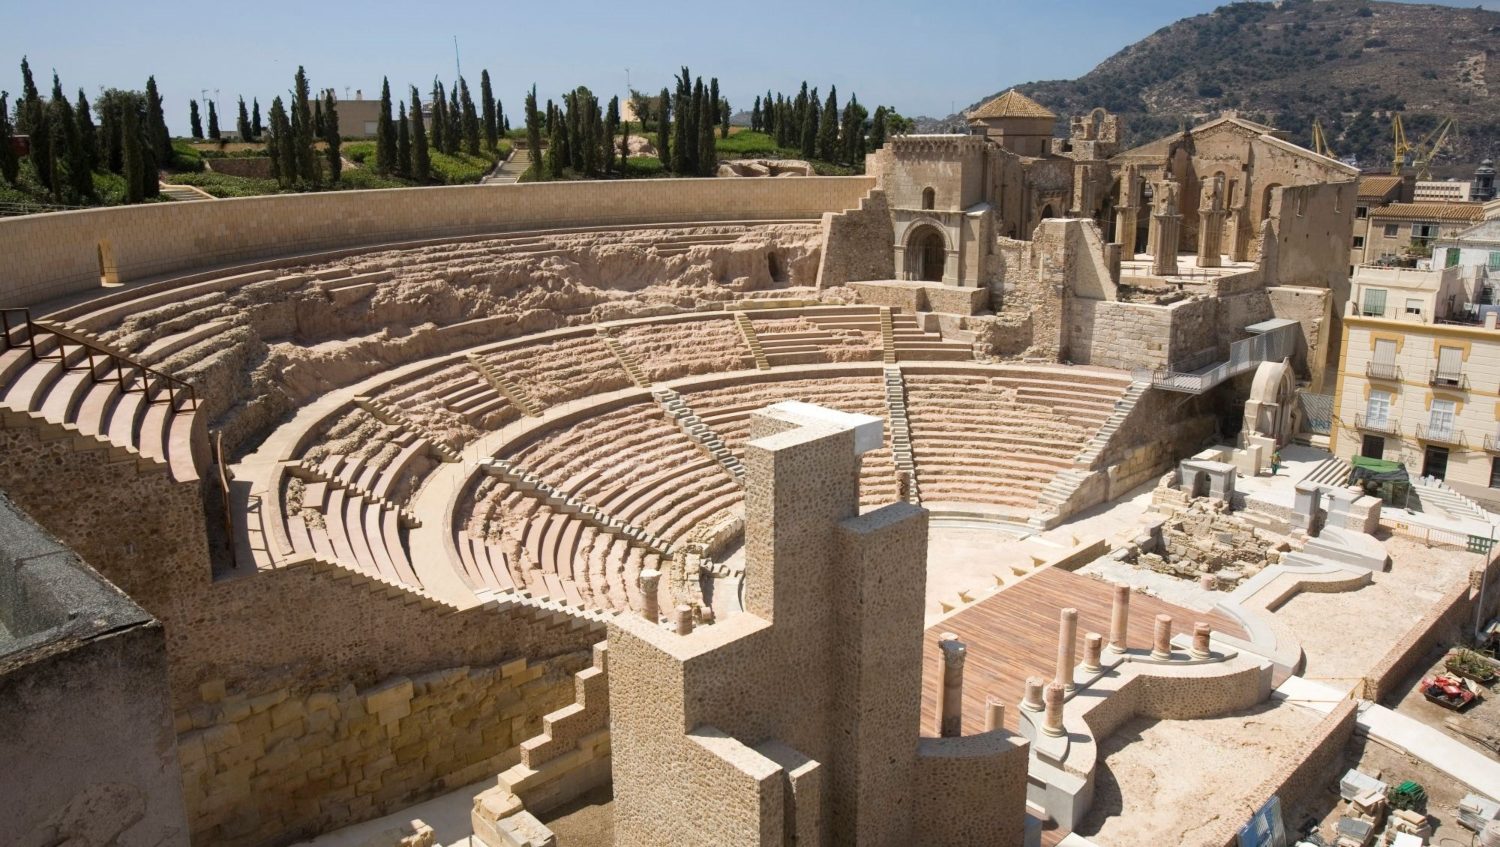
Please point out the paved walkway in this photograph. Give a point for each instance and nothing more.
(509, 171)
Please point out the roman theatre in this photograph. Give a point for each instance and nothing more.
(683, 487)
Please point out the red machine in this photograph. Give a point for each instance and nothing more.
(1448, 691)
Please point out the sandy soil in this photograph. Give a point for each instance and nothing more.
(1162, 782)
(1344, 635)
(585, 822)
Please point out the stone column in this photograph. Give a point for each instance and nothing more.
(684, 620)
(994, 714)
(950, 706)
(1093, 652)
(1210, 238)
(1067, 641)
(1162, 646)
(1119, 619)
(1126, 221)
(1033, 699)
(1201, 634)
(1052, 723)
(650, 606)
(1164, 243)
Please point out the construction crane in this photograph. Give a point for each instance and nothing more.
(1422, 152)
(1320, 140)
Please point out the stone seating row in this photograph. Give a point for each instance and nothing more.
(356, 531)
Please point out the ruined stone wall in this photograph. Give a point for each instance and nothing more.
(1118, 334)
(857, 243)
(967, 789)
(44, 257)
(1312, 309)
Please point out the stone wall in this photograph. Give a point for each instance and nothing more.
(967, 789)
(44, 257)
(1118, 335)
(1440, 627)
(256, 167)
(1312, 309)
(857, 243)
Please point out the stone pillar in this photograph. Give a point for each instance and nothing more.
(684, 620)
(1201, 633)
(1119, 619)
(1162, 646)
(1166, 228)
(1093, 652)
(1052, 723)
(1033, 700)
(994, 714)
(1126, 221)
(950, 707)
(1067, 641)
(1210, 238)
(650, 606)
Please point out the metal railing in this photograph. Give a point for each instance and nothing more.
(1491, 443)
(1448, 379)
(1382, 370)
(1244, 355)
(1441, 435)
(1382, 424)
(127, 372)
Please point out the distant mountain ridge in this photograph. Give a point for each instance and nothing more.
(1348, 62)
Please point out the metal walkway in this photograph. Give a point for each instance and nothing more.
(1271, 341)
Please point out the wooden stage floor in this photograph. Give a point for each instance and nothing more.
(1013, 634)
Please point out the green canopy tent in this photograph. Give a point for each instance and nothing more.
(1386, 480)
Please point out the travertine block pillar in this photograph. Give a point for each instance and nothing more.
(1119, 619)
(1201, 634)
(1093, 652)
(1033, 699)
(1052, 723)
(684, 619)
(1168, 229)
(950, 708)
(650, 607)
(1067, 640)
(1210, 239)
(1161, 647)
(994, 714)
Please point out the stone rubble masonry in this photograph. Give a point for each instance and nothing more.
(45, 257)
(857, 243)
(289, 632)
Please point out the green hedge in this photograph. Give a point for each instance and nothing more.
(185, 157)
(224, 185)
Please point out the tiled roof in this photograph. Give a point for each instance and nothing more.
(1011, 104)
(1377, 186)
(1430, 212)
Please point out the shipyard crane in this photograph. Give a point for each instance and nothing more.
(1422, 152)
(1320, 140)
(1398, 159)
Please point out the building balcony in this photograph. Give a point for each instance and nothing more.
(1381, 370)
(1383, 425)
(1491, 443)
(1448, 379)
(1441, 435)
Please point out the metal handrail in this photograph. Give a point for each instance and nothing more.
(1385, 424)
(1380, 370)
(1446, 435)
(125, 370)
(1449, 380)
(1491, 443)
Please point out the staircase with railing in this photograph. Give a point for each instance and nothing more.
(1271, 341)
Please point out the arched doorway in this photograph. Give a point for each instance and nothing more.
(926, 254)
(1046, 212)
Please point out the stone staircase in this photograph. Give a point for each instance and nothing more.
(887, 337)
(308, 470)
(392, 416)
(1435, 494)
(506, 386)
(1332, 472)
(628, 362)
(526, 482)
(509, 171)
(701, 433)
(1061, 488)
(895, 404)
(747, 330)
(183, 192)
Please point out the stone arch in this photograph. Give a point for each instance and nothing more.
(926, 252)
(929, 198)
(1270, 408)
(1046, 213)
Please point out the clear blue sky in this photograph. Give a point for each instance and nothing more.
(921, 58)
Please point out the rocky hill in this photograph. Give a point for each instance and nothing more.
(1348, 62)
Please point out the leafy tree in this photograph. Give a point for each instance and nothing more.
(194, 122)
(664, 130)
(88, 134)
(242, 125)
(213, 121)
(421, 161)
(491, 116)
(156, 123)
(10, 163)
(134, 164)
(255, 126)
(470, 119)
(331, 135)
(385, 138)
(533, 131)
(403, 142)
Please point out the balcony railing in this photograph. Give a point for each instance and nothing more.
(1381, 370)
(1491, 443)
(1383, 424)
(1441, 435)
(1449, 379)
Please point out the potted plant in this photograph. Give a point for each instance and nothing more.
(1470, 665)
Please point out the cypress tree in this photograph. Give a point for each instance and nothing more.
(28, 108)
(318, 118)
(64, 142)
(664, 131)
(810, 126)
(10, 163)
(331, 136)
(699, 107)
(42, 155)
(783, 139)
(768, 115)
(502, 124)
(852, 132)
(194, 122)
(491, 116)
(534, 131)
(828, 127)
(156, 123)
(112, 105)
(559, 125)
(255, 126)
(421, 162)
(213, 121)
(611, 126)
(592, 132)
(385, 148)
(755, 115)
(453, 132)
(572, 130)
(308, 168)
(724, 118)
(877, 129)
(403, 143)
(150, 166)
(708, 154)
(554, 151)
(133, 162)
(680, 143)
(624, 147)
(282, 145)
(712, 115)
(242, 125)
(439, 123)
(470, 119)
(88, 135)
